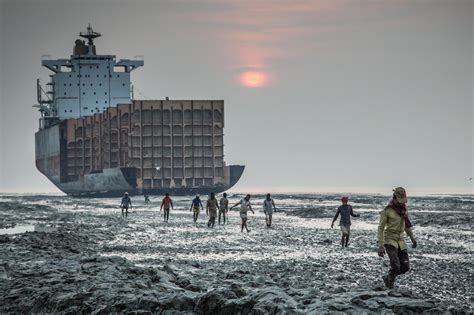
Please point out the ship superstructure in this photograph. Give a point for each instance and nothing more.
(94, 139)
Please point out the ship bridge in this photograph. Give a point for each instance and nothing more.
(86, 83)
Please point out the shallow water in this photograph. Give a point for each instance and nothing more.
(17, 229)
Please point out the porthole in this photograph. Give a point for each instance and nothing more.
(94, 93)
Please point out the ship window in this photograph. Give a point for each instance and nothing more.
(83, 93)
(69, 75)
(90, 67)
(91, 84)
(100, 84)
(70, 84)
(123, 84)
(64, 93)
(105, 102)
(97, 102)
(94, 93)
(119, 69)
(70, 110)
(64, 84)
(105, 93)
(97, 75)
(65, 110)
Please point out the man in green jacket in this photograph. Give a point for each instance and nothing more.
(393, 224)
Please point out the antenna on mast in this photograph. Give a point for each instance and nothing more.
(90, 35)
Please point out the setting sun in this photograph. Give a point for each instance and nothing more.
(253, 79)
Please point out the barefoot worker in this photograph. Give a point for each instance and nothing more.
(211, 209)
(196, 206)
(126, 202)
(223, 207)
(268, 207)
(345, 210)
(393, 223)
(244, 207)
(166, 204)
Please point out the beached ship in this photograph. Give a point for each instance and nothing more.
(94, 139)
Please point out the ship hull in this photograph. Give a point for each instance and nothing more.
(115, 182)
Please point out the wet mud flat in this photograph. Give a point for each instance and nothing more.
(85, 258)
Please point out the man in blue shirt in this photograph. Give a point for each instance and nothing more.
(345, 210)
(196, 206)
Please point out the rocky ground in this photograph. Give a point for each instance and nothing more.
(84, 258)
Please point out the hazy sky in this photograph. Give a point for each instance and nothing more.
(345, 96)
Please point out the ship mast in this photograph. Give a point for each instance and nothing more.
(90, 35)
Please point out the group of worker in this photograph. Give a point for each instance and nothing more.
(393, 223)
(214, 209)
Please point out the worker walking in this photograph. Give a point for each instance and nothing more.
(223, 208)
(196, 206)
(245, 206)
(211, 209)
(268, 207)
(393, 224)
(166, 205)
(126, 203)
(346, 211)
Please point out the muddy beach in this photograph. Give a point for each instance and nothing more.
(66, 255)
